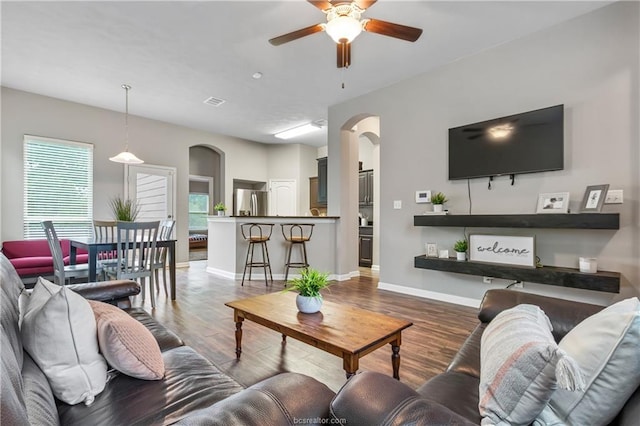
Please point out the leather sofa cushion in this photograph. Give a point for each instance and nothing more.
(564, 314)
(166, 338)
(264, 404)
(456, 391)
(191, 383)
(467, 359)
(29, 248)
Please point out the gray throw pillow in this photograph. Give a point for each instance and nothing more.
(59, 332)
(606, 346)
(520, 367)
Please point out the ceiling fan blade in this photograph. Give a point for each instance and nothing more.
(344, 55)
(277, 41)
(392, 30)
(365, 4)
(321, 4)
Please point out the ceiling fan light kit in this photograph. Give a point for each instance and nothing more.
(344, 25)
(125, 156)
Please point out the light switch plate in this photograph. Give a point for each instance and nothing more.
(614, 196)
(397, 204)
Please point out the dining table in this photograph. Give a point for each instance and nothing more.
(93, 246)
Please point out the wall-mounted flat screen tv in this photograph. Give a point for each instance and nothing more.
(522, 143)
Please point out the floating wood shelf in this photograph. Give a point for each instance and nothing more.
(566, 221)
(565, 277)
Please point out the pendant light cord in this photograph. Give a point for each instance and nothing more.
(126, 87)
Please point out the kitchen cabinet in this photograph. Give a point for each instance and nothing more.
(365, 188)
(365, 245)
(313, 193)
(322, 182)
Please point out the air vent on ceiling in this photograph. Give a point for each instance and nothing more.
(214, 101)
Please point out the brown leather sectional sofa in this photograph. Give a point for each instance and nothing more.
(194, 392)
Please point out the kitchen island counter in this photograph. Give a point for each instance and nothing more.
(227, 249)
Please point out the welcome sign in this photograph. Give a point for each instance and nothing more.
(509, 250)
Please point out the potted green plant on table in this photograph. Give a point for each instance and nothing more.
(308, 286)
(438, 199)
(125, 210)
(461, 247)
(220, 208)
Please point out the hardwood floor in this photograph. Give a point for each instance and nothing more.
(200, 317)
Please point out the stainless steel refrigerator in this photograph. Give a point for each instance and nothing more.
(250, 202)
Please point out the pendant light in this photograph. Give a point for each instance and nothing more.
(125, 156)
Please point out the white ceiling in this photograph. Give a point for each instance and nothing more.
(177, 54)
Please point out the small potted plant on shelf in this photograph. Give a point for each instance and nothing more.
(308, 286)
(461, 247)
(220, 208)
(438, 199)
(124, 210)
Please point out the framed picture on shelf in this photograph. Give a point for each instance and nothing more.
(431, 249)
(553, 202)
(593, 198)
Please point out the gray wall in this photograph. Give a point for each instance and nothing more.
(156, 142)
(589, 64)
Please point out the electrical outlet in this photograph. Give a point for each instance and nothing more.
(487, 280)
(397, 204)
(614, 196)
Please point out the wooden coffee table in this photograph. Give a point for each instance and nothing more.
(339, 329)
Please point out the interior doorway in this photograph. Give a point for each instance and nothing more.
(206, 188)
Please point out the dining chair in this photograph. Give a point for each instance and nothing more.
(160, 261)
(106, 230)
(62, 272)
(136, 246)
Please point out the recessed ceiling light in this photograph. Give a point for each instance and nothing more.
(257, 75)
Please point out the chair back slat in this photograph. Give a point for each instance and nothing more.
(136, 248)
(164, 233)
(105, 229)
(56, 252)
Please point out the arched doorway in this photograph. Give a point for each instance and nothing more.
(343, 189)
(206, 188)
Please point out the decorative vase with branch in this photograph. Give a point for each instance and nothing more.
(125, 210)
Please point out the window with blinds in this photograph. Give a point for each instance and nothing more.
(58, 186)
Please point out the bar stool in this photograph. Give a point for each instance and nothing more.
(296, 234)
(257, 233)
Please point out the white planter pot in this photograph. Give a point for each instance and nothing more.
(437, 207)
(461, 255)
(220, 212)
(308, 305)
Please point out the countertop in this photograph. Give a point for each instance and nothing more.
(286, 217)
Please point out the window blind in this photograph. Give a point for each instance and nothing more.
(58, 186)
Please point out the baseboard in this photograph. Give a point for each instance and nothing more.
(221, 273)
(182, 265)
(426, 294)
(344, 277)
(375, 268)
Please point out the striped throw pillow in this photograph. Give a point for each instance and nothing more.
(521, 366)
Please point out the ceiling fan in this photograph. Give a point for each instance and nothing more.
(344, 24)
